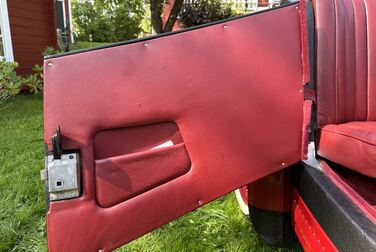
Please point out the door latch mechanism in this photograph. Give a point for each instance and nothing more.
(62, 172)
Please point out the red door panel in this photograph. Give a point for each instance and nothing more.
(168, 124)
(123, 177)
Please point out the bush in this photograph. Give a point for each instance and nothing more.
(107, 20)
(200, 12)
(11, 83)
(49, 50)
(34, 82)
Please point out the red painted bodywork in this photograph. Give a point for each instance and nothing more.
(309, 232)
(272, 193)
(238, 123)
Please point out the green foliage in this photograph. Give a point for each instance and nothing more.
(107, 20)
(33, 82)
(204, 11)
(10, 82)
(50, 50)
(79, 45)
(146, 20)
(38, 71)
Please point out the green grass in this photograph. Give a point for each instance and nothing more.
(85, 44)
(218, 226)
(22, 226)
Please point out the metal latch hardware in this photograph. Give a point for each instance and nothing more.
(62, 172)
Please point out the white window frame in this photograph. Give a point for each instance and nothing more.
(5, 31)
(70, 20)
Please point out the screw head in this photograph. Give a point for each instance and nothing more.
(146, 45)
(200, 202)
(225, 27)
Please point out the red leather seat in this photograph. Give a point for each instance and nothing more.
(346, 82)
(352, 145)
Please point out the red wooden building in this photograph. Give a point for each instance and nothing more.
(27, 28)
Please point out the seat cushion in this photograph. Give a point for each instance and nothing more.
(351, 144)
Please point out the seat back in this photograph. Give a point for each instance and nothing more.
(346, 60)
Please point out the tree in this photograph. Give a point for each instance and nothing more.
(156, 8)
(108, 20)
(199, 12)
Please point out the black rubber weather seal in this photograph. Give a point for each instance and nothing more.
(344, 223)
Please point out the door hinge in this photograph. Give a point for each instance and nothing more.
(62, 172)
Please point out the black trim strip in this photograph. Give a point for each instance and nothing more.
(311, 43)
(344, 223)
(164, 34)
(312, 59)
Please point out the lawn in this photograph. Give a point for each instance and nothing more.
(218, 226)
(85, 44)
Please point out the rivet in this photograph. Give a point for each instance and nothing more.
(296, 7)
(146, 45)
(200, 202)
(283, 163)
(49, 64)
(301, 91)
(225, 27)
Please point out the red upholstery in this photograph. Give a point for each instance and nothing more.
(352, 145)
(346, 81)
(231, 90)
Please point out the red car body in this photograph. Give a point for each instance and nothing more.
(166, 124)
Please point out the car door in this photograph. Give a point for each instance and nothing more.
(160, 126)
